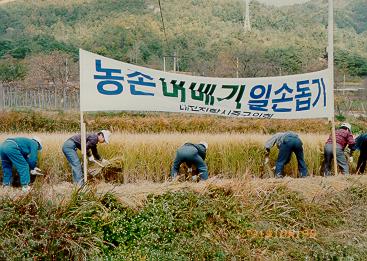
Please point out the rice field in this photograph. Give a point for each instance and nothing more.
(148, 157)
(57, 121)
(225, 218)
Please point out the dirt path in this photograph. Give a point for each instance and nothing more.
(135, 194)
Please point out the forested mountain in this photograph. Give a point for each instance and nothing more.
(207, 35)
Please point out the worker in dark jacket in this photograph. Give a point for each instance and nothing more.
(191, 154)
(287, 142)
(344, 137)
(361, 145)
(71, 145)
(22, 153)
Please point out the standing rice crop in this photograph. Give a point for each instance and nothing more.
(149, 157)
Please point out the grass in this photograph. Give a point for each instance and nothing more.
(148, 157)
(32, 227)
(204, 221)
(54, 121)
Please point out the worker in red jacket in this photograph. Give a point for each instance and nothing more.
(344, 138)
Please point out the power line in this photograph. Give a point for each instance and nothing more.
(164, 28)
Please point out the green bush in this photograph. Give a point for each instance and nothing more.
(288, 58)
(354, 63)
(12, 71)
(32, 227)
(185, 225)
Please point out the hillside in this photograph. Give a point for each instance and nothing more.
(5, 1)
(207, 35)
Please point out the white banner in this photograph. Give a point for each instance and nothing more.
(107, 84)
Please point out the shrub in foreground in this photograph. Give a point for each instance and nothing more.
(217, 224)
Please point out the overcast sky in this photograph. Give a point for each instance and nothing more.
(282, 2)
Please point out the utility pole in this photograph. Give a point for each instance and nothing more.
(2, 97)
(247, 24)
(174, 61)
(237, 66)
(64, 84)
(66, 70)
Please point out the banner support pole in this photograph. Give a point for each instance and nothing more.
(334, 146)
(83, 139)
(330, 53)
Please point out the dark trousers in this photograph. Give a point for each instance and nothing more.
(69, 149)
(340, 158)
(289, 145)
(361, 165)
(190, 155)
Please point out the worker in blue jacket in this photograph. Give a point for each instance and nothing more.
(192, 154)
(287, 142)
(22, 153)
(361, 145)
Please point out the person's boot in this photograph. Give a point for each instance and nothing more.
(26, 189)
(7, 188)
(279, 176)
(326, 173)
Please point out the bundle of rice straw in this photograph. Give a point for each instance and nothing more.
(109, 171)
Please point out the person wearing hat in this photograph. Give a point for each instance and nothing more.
(191, 154)
(287, 142)
(361, 145)
(72, 144)
(22, 153)
(344, 138)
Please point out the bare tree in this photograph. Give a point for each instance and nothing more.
(56, 70)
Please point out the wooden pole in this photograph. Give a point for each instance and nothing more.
(83, 137)
(174, 61)
(237, 65)
(1, 97)
(331, 70)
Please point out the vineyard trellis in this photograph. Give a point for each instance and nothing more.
(47, 97)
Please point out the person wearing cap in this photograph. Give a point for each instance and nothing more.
(191, 154)
(72, 144)
(344, 138)
(287, 142)
(22, 153)
(361, 145)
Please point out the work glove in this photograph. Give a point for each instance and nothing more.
(189, 170)
(105, 162)
(195, 178)
(36, 171)
(91, 158)
(350, 159)
(175, 177)
(266, 160)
